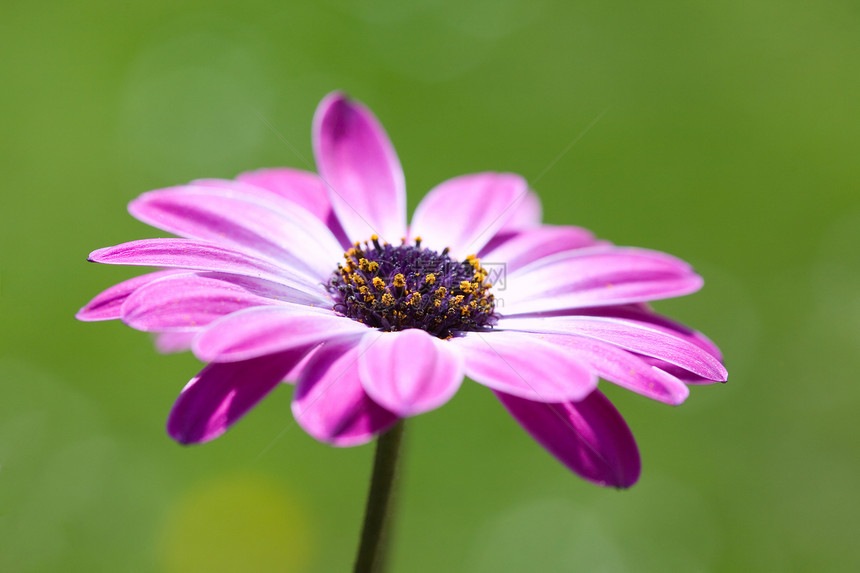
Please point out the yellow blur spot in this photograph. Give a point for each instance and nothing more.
(244, 522)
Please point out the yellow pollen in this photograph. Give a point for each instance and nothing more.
(378, 283)
(458, 299)
(430, 279)
(466, 286)
(366, 294)
(399, 280)
(364, 265)
(415, 299)
(441, 292)
(387, 299)
(374, 266)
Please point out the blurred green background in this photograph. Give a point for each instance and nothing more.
(730, 137)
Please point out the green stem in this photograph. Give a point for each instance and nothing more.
(372, 551)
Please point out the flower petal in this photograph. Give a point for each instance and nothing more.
(643, 314)
(521, 364)
(300, 187)
(192, 300)
(330, 402)
(362, 173)
(242, 222)
(409, 372)
(518, 249)
(268, 329)
(623, 368)
(173, 341)
(107, 305)
(202, 256)
(527, 213)
(598, 276)
(589, 436)
(629, 335)
(216, 398)
(465, 212)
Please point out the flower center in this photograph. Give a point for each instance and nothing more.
(395, 288)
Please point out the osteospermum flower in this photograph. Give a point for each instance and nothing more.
(284, 275)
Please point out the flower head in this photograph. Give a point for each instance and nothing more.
(285, 275)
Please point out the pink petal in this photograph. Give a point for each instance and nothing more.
(464, 213)
(300, 187)
(527, 213)
(590, 437)
(647, 317)
(202, 256)
(216, 398)
(521, 364)
(598, 276)
(265, 330)
(107, 304)
(520, 248)
(363, 175)
(623, 368)
(409, 372)
(192, 300)
(629, 335)
(174, 341)
(242, 222)
(330, 403)
(643, 315)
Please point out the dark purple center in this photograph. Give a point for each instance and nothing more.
(395, 288)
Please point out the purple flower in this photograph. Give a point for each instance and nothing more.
(284, 275)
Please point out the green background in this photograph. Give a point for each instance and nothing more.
(729, 137)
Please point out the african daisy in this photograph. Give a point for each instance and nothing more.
(285, 275)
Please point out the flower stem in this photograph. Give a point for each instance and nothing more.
(372, 551)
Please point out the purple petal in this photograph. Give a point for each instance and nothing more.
(265, 330)
(216, 398)
(202, 256)
(192, 300)
(244, 223)
(598, 276)
(521, 248)
(409, 372)
(107, 304)
(363, 175)
(464, 213)
(590, 437)
(521, 364)
(330, 403)
(300, 187)
(630, 336)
